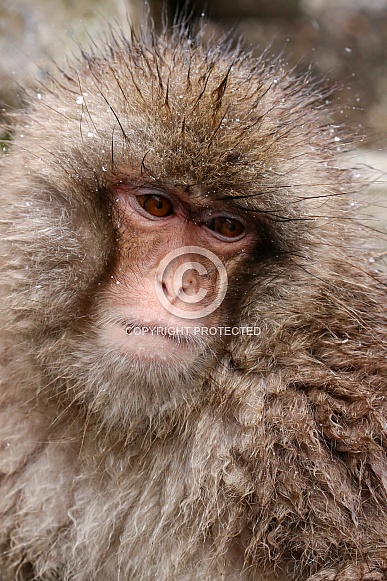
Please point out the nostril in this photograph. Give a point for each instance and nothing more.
(190, 281)
(187, 282)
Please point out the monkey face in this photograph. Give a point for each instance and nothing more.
(171, 270)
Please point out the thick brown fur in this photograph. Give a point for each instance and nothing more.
(269, 462)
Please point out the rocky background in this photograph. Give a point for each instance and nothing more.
(343, 40)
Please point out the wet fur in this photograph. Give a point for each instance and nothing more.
(268, 460)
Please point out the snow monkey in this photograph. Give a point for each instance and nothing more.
(194, 340)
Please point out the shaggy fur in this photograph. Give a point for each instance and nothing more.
(266, 460)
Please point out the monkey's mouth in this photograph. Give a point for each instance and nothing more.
(150, 341)
(178, 335)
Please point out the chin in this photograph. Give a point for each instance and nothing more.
(135, 378)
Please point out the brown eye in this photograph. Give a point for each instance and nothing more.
(157, 206)
(226, 227)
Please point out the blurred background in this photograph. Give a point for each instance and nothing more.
(344, 41)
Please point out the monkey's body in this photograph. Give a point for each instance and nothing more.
(263, 458)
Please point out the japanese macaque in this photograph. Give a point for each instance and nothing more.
(194, 340)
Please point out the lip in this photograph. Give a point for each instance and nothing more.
(151, 344)
(177, 335)
(169, 333)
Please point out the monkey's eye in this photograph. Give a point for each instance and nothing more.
(226, 227)
(155, 205)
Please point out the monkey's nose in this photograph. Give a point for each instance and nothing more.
(183, 283)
